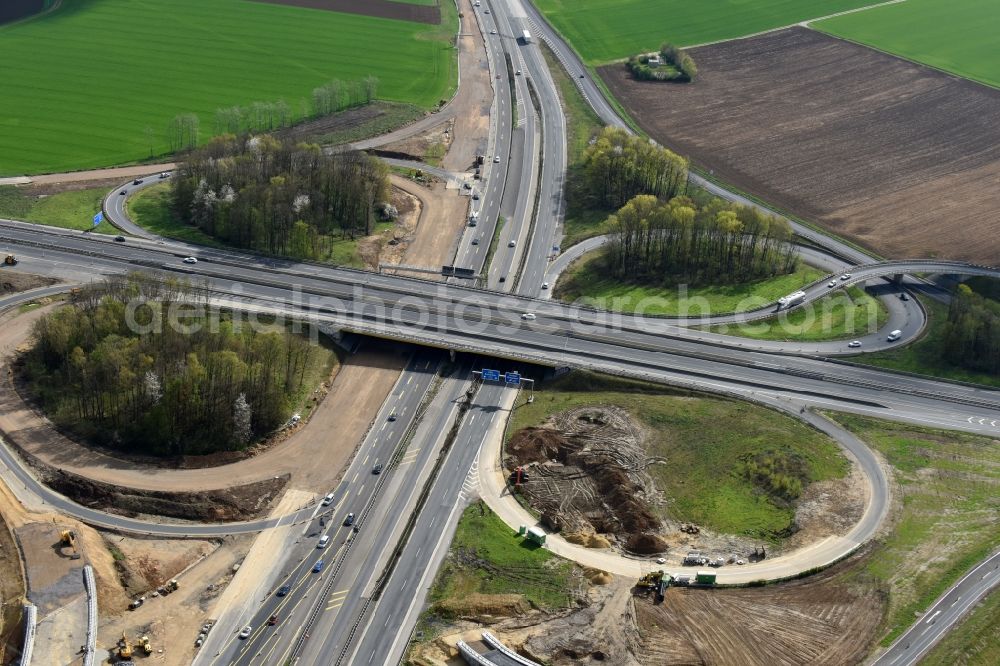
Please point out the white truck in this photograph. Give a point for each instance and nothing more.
(526, 36)
(895, 335)
(792, 299)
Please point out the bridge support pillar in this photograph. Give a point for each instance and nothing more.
(897, 278)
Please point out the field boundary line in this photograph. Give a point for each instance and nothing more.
(804, 24)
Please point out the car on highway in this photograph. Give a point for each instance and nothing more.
(486, 11)
(904, 296)
(845, 276)
(529, 316)
(323, 541)
(661, 560)
(496, 159)
(392, 417)
(284, 589)
(512, 243)
(273, 620)
(503, 278)
(137, 181)
(119, 239)
(328, 500)
(318, 566)
(475, 241)
(377, 469)
(493, 32)
(246, 631)
(518, 72)
(349, 520)
(123, 192)
(165, 174)
(831, 284)
(475, 196)
(853, 344)
(190, 260)
(545, 285)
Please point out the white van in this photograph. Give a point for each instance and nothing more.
(328, 500)
(895, 335)
(323, 540)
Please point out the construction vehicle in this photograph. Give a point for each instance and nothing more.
(168, 588)
(68, 538)
(147, 649)
(650, 580)
(10, 260)
(124, 649)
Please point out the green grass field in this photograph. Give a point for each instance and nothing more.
(706, 441)
(588, 280)
(946, 504)
(606, 30)
(845, 314)
(96, 82)
(959, 36)
(515, 565)
(69, 210)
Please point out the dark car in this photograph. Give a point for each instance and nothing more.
(392, 417)
(318, 566)
(377, 469)
(284, 589)
(123, 192)
(137, 181)
(273, 620)
(120, 239)
(475, 241)
(349, 520)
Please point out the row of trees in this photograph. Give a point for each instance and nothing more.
(182, 132)
(338, 95)
(273, 196)
(127, 376)
(676, 65)
(972, 333)
(679, 240)
(617, 166)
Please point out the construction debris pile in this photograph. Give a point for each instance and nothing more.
(588, 475)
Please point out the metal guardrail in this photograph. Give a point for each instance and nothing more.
(495, 643)
(30, 623)
(91, 645)
(471, 656)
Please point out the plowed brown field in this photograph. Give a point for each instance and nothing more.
(901, 158)
(379, 8)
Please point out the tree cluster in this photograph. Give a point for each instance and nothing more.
(162, 390)
(338, 95)
(277, 197)
(677, 65)
(618, 166)
(682, 241)
(972, 332)
(255, 117)
(778, 474)
(182, 132)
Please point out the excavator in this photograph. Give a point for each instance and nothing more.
(68, 538)
(147, 649)
(124, 649)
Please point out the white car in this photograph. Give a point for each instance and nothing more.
(513, 243)
(661, 560)
(190, 260)
(328, 500)
(246, 631)
(854, 344)
(496, 159)
(518, 72)
(545, 285)
(528, 316)
(831, 284)
(845, 276)
(493, 32)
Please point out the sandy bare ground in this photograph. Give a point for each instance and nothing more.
(334, 431)
(899, 157)
(116, 173)
(472, 104)
(439, 228)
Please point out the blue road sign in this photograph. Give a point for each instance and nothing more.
(491, 375)
(98, 218)
(512, 378)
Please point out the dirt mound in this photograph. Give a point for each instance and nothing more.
(587, 475)
(478, 605)
(226, 504)
(12, 282)
(597, 577)
(645, 544)
(587, 539)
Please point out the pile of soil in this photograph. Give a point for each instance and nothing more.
(587, 476)
(477, 606)
(225, 504)
(12, 282)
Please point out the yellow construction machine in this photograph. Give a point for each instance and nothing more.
(68, 538)
(147, 649)
(10, 260)
(124, 648)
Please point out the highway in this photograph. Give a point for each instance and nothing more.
(950, 607)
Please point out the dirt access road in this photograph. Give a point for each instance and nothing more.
(899, 157)
(314, 456)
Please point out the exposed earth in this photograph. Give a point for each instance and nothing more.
(402, 11)
(899, 157)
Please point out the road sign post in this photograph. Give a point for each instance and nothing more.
(491, 375)
(98, 218)
(512, 378)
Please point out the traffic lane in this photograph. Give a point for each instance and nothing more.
(337, 624)
(413, 574)
(950, 607)
(114, 204)
(349, 497)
